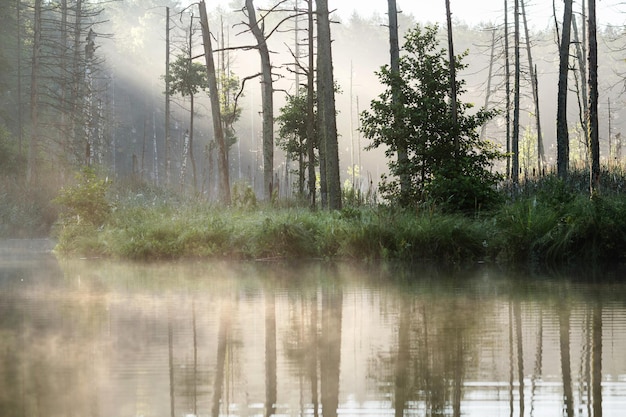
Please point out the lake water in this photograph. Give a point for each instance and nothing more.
(104, 338)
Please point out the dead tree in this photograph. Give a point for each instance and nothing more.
(516, 98)
(562, 134)
(267, 96)
(594, 141)
(534, 79)
(326, 106)
(224, 183)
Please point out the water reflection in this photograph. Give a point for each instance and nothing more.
(211, 339)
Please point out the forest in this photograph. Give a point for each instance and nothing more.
(127, 126)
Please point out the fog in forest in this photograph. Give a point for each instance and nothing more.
(135, 65)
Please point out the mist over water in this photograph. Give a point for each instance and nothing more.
(91, 337)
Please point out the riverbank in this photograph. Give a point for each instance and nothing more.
(537, 229)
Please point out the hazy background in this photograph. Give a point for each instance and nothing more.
(136, 56)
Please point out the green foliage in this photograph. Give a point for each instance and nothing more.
(243, 196)
(230, 112)
(86, 201)
(187, 77)
(292, 129)
(413, 113)
(555, 224)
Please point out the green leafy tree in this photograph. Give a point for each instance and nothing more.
(292, 134)
(447, 162)
(188, 78)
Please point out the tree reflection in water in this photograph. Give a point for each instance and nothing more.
(319, 339)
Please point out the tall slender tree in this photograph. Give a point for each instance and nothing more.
(310, 105)
(394, 50)
(326, 106)
(33, 144)
(507, 83)
(534, 79)
(516, 97)
(224, 181)
(594, 141)
(562, 134)
(453, 85)
(257, 27)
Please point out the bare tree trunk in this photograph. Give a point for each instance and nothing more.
(534, 79)
(507, 75)
(453, 92)
(594, 140)
(326, 105)
(20, 122)
(516, 99)
(33, 145)
(190, 149)
(168, 139)
(215, 108)
(583, 99)
(394, 51)
(310, 120)
(562, 134)
(483, 129)
(267, 98)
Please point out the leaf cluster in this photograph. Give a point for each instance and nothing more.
(186, 77)
(446, 158)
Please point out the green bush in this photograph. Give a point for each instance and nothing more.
(86, 201)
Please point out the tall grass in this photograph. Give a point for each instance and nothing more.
(545, 221)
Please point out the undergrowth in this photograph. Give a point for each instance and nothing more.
(546, 221)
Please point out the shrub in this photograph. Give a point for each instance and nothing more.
(86, 201)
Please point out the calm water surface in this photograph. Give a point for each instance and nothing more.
(102, 338)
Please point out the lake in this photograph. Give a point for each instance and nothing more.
(89, 337)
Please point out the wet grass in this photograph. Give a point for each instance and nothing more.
(543, 222)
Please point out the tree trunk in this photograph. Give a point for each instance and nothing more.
(267, 98)
(33, 144)
(562, 134)
(507, 75)
(326, 105)
(224, 182)
(483, 129)
(534, 79)
(194, 171)
(394, 51)
(594, 141)
(453, 92)
(516, 99)
(310, 119)
(168, 139)
(583, 98)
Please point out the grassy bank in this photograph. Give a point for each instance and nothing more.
(546, 221)
(527, 230)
